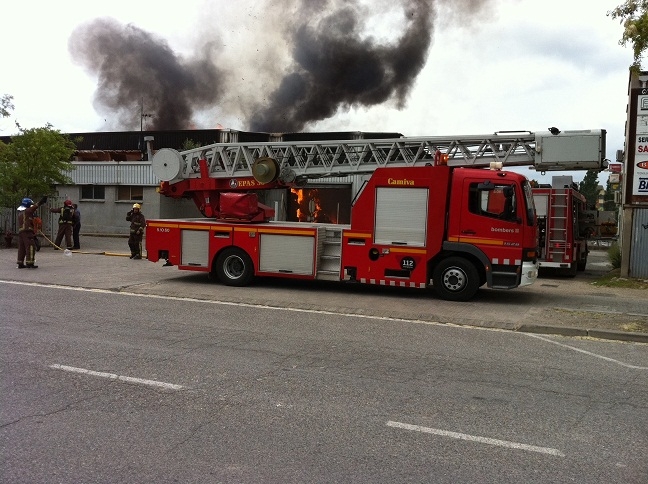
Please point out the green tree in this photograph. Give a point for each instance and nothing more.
(589, 187)
(608, 200)
(189, 144)
(34, 161)
(6, 105)
(633, 15)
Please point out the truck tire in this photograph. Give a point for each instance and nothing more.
(580, 266)
(234, 267)
(455, 279)
(571, 271)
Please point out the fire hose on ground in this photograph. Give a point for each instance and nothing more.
(68, 252)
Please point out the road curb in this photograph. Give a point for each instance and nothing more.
(559, 330)
(583, 332)
(619, 335)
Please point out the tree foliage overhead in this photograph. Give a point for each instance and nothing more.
(633, 15)
(589, 187)
(6, 106)
(34, 161)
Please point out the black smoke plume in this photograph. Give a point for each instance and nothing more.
(138, 74)
(333, 64)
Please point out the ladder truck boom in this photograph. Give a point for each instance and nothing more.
(299, 161)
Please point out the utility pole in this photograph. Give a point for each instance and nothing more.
(143, 115)
(145, 151)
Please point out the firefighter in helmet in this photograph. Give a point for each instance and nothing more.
(26, 233)
(137, 224)
(66, 224)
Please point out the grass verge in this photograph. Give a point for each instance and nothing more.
(614, 279)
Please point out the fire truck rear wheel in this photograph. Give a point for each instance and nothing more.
(582, 264)
(234, 267)
(455, 279)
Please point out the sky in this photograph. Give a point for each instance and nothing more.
(471, 66)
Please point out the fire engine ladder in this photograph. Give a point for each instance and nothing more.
(558, 224)
(300, 161)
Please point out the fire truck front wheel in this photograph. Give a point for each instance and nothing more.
(234, 267)
(455, 279)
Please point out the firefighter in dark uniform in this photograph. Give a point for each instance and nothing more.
(26, 234)
(138, 222)
(66, 224)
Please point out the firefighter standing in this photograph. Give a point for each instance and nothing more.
(138, 222)
(26, 234)
(66, 224)
(77, 227)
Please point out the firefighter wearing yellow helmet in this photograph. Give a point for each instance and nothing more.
(137, 224)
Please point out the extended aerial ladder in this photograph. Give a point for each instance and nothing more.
(207, 172)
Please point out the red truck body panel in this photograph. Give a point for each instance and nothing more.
(563, 234)
(407, 225)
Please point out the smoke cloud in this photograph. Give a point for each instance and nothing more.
(335, 66)
(331, 61)
(139, 74)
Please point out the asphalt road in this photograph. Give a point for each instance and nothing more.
(558, 305)
(115, 374)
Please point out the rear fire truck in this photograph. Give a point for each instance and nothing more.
(429, 214)
(562, 226)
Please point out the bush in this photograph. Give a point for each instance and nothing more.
(614, 255)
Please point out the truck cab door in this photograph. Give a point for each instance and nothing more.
(490, 218)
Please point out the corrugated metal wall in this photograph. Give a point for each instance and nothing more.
(113, 173)
(639, 248)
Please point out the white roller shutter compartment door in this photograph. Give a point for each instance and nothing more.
(401, 216)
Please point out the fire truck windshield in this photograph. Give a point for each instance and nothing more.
(528, 202)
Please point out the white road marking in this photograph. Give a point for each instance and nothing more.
(239, 304)
(113, 376)
(311, 311)
(589, 353)
(475, 438)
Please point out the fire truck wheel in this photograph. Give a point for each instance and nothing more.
(234, 267)
(581, 264)
(455, 279)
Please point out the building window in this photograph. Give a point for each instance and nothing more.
(93, 192)
(130, 193)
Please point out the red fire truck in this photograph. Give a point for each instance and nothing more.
(562, 225)
(428, 214)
